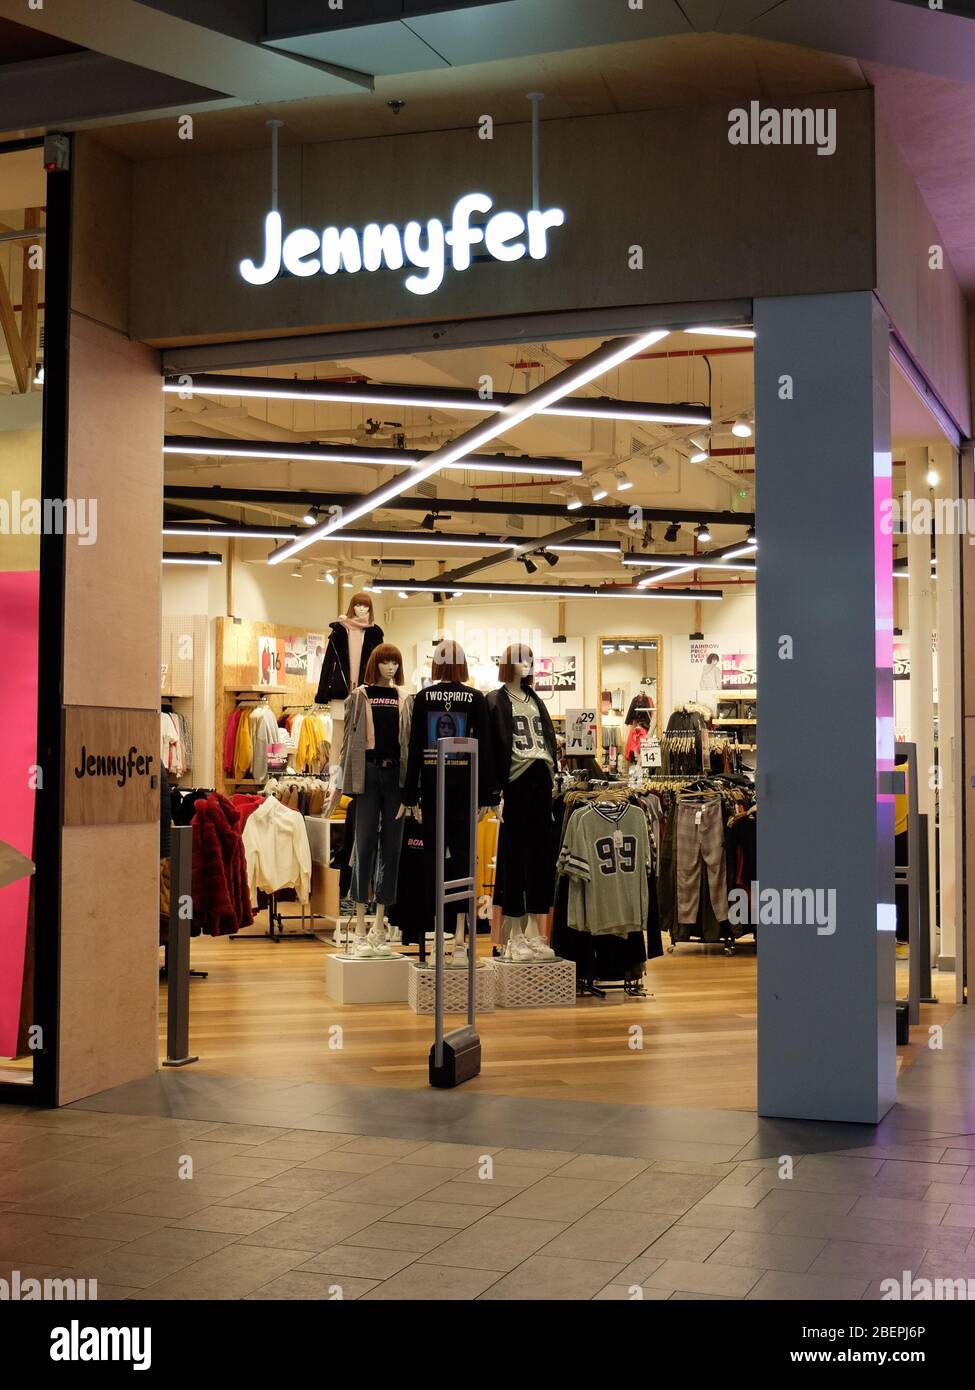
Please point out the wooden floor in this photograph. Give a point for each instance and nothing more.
(263, 1012)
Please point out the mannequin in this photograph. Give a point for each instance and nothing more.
(370, 771)
(526, 757)
(351, 642)
(448, 708)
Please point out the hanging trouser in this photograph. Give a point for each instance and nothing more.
(377, 828)
(700, 840)
(527, 845)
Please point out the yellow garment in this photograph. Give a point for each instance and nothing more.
(243, 749)
(487, 853)
(312, 751)
(901, 802)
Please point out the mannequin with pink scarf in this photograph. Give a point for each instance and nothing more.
(352, 640)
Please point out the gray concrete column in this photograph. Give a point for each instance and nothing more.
(825, 628)
(921, 625)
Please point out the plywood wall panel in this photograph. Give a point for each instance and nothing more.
(109, 957)
(112, 588)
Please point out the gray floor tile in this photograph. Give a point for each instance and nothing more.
(775, 1284)
(610, 1236)
(896, 1209)
(268, 1199)
(123, 1266)
(737, 1218)
(186, 1244)
(604, 1168)
(475, 1194)
(342, 1161)
(959, 1215)
(391, 1235)
(361, 1261)
(232, 1221)
(436, 1283)
(559, 1199)
(689, 1276)
(630, 1293)
(693, 1243)
(764, 1250)
(852, 1258)
(393, 1185)
(495, 1242)
(453, 1215)
(317, 1226)
(300, 1286)
(542, 1278)
(384, 1148)
(230, 1273)
(673, 1193)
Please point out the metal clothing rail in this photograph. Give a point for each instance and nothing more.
(455, 890)
(178, 949)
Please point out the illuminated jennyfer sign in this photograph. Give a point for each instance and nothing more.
(506, 236)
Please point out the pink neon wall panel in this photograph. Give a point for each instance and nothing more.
(18, 754)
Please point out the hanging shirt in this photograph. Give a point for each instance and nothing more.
(528, 736)
(384, 703)
(606, 855)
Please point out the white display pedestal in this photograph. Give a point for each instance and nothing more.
(420, 996)
(544, 984)
(381, 980)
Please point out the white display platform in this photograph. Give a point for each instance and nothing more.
(421, 988)
(375, 980)
(543, 984)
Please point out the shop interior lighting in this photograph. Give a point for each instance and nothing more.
(529, 564)
(296, 573)
(549, 559)
(672, 532)
(326, 577)
(699, 562)
(660, 466)
(229, 531)
(441, 398)
(465, 459)
(702, 448)
(175, 558)
(599, 489)
(750, 538)
(724, 332)
(623, 481)
(311, 516)
(553, 591)
(574, 502)
(39, 377)
(742, 428)
(931, 477)
(702, 532)
(604, 359)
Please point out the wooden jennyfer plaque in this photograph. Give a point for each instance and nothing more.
(111, 766)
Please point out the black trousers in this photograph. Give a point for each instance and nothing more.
(527, 845)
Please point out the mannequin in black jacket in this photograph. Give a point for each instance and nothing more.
(448, 708)
(526, 756)
(357, 634)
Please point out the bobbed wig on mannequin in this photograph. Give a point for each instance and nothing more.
(357, 601)
(516, 655)
(450, 662)
(384, 653)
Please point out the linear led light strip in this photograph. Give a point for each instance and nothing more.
(183, 528)
(429, 398)
(598, 363)
(492, 463)
(539, 591)
(171, 558)
(725, 332)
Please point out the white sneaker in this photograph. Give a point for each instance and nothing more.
(459, 956)
(539, 948)
(520, 951)
(361, 949)
(377, 940)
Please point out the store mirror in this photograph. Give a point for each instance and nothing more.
(630, 679)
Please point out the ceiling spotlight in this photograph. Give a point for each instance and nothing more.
(346, 583)
(931, 477)
(623, 482)
(326, 577)
(702, 448)
(672, 531)
(750, 538)
(39, 377)
(403, 593)
(702, 532)
(742, 427)
(529, 564)
(660, 466)
(574, 502)
(437, 596)
(311, 516)
(296, 572)
(429, 522)
(552, 560)
(600, 490)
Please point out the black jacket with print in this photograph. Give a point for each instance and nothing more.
(501, 715)
(449, 709)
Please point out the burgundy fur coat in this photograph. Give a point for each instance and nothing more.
(221, 899)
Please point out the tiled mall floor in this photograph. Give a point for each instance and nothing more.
(304, 1191)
